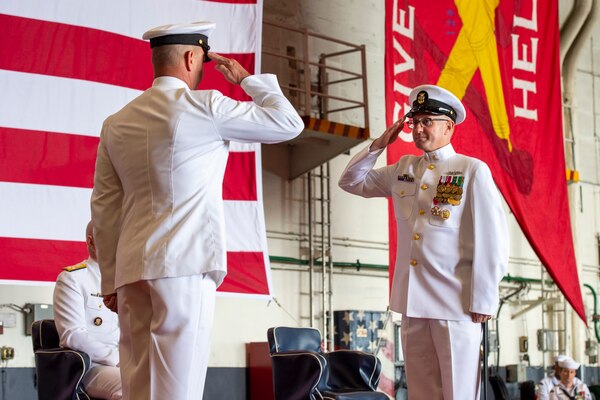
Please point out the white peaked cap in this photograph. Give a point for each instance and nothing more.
(568, 363)
(432, 99)
(560, 357)
(203, 28)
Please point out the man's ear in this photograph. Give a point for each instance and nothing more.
(189, 59)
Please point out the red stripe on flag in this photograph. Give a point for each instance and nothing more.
(240, 176)
(37, 259)
(49, 158)
(246, 273)
(92, 55)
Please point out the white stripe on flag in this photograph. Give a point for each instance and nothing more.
(243, 226)
(43, 212)
(236, 30)
(53, 104)
(61, 213)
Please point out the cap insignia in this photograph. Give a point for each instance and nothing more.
(422, 97)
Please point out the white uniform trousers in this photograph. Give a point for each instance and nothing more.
(442, 358)
(166, 325)
(103, 382)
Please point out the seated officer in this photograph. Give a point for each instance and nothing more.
(546, 384)
(85, 324)
(568, 388)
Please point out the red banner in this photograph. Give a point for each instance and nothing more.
(501, 58)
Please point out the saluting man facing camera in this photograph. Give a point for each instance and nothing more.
(452, 245)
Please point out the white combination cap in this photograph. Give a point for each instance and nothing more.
(195, 34)
(568, 363)
(560, 357)
(432, 99)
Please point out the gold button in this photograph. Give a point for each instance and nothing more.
(402, 192)
(421, 212)
(413, 262)
(416, 236)
(431, 166)
(424, 186)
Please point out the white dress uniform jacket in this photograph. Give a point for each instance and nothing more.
(445, 267)
(82, 321)
(548, 383)
(579, 391)
(161, 162)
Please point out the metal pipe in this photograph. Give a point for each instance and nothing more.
(323, 250)
(307, 88)
(486, 352)
(321, 94)
(344, 80)
(572, 53)
(311, 264)
(301, 236)
(323, 87)
(572, 25)
(363, 58)
(311, 63)
(341, 53)
(344, 272)
(340, 264)
(317, 35)
(343, 109)
(595, 316)
(330, 262)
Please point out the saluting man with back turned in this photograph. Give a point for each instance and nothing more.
(158, 210)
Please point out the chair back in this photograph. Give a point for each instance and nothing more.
(301, 371)
(59, 370)
(44, 335)
(284, 338)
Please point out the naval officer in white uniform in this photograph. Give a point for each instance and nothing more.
(568, 386)
(548, 383)
(84, 323)
(158, 211)
(452, 245)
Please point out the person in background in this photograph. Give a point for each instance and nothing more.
(85, 324)
(158, 209)
(546, 384)
(568, 388)
(452, 245)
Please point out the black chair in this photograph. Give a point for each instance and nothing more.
(59, 370)
(499, 388)
(527, 390)
(302, 371)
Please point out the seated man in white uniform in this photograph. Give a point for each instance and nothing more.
(85, 324)
(546, 384)
(567, 388)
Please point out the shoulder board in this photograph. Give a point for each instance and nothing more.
(76, 267)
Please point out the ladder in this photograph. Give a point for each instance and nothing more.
(319, 251)
(552, 337)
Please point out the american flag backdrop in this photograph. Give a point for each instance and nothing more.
(66, 65)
